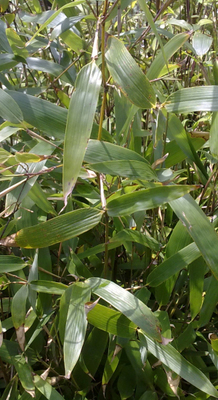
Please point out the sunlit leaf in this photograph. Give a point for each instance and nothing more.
(196, 98)
(127, 75)
(145, 199)
(197, 224)
(129, 305)
(201, 43)
(78, 129)
(55, 230)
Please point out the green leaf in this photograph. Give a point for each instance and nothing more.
(9, 109)
(76, 324)
(201, 43)
(55, 230)
(210, 301)
(98, 151)
(197, 224)
(40, 199)
(149, 18)
(197, 98)
(129, 305)
(111, 321)
(25, 374)
(53, 16)
(169, 49)
(46, 389)
(196, 284)
(73, 41)
(126, 382)
(18, 194)
(177, 363)
(48, 287)
(11, 264)
(7, 61)
(16, 43)
(173, 264)
(78, 129)
(18, 307)
(145, 199)
(42, 114)
(130, 169)
(39, 64)
(127, 75)
(175, 130)
(213, 135)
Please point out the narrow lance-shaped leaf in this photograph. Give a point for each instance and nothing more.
(18, 312)
(9, 109)
(25, 374)
(128, 76)
(79, 124)
(169, 356)
(55, 230)
(169, 49)
(18, 194)
(53, 16)
(76, 324)
(131, 169)
(197, 98)
(149, 18)
(199, 228)
(11, 264)
(173, 264)
(99, 151)
(145, 199)
(201, 43)
(129, 305)
(46, 389)
(213, 135)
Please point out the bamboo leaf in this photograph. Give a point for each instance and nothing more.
(173, 264)
(76, 324)
(18, 313)
(18, 194)
(201, 43)
(46, 389)
(197, 98)
(173, 359)
(53, 16)
(99, 151)
(169, 49)
(197, 270)
(111, 321)
(11, 264)
(55, 230)
(25, 374)
(7, 61)
(197, 224)
(210, 301)
(9, 109)
(213, 135)
(42, 114)
(48, 287)
(78, 129)
(130, 169)
(18, 308)
(16, 43)
(128, 76)
(149, 18)
(145, 199)
(129, 305)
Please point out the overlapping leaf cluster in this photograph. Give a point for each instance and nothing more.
(109, 257)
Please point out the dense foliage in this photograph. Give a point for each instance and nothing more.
(109, 149)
